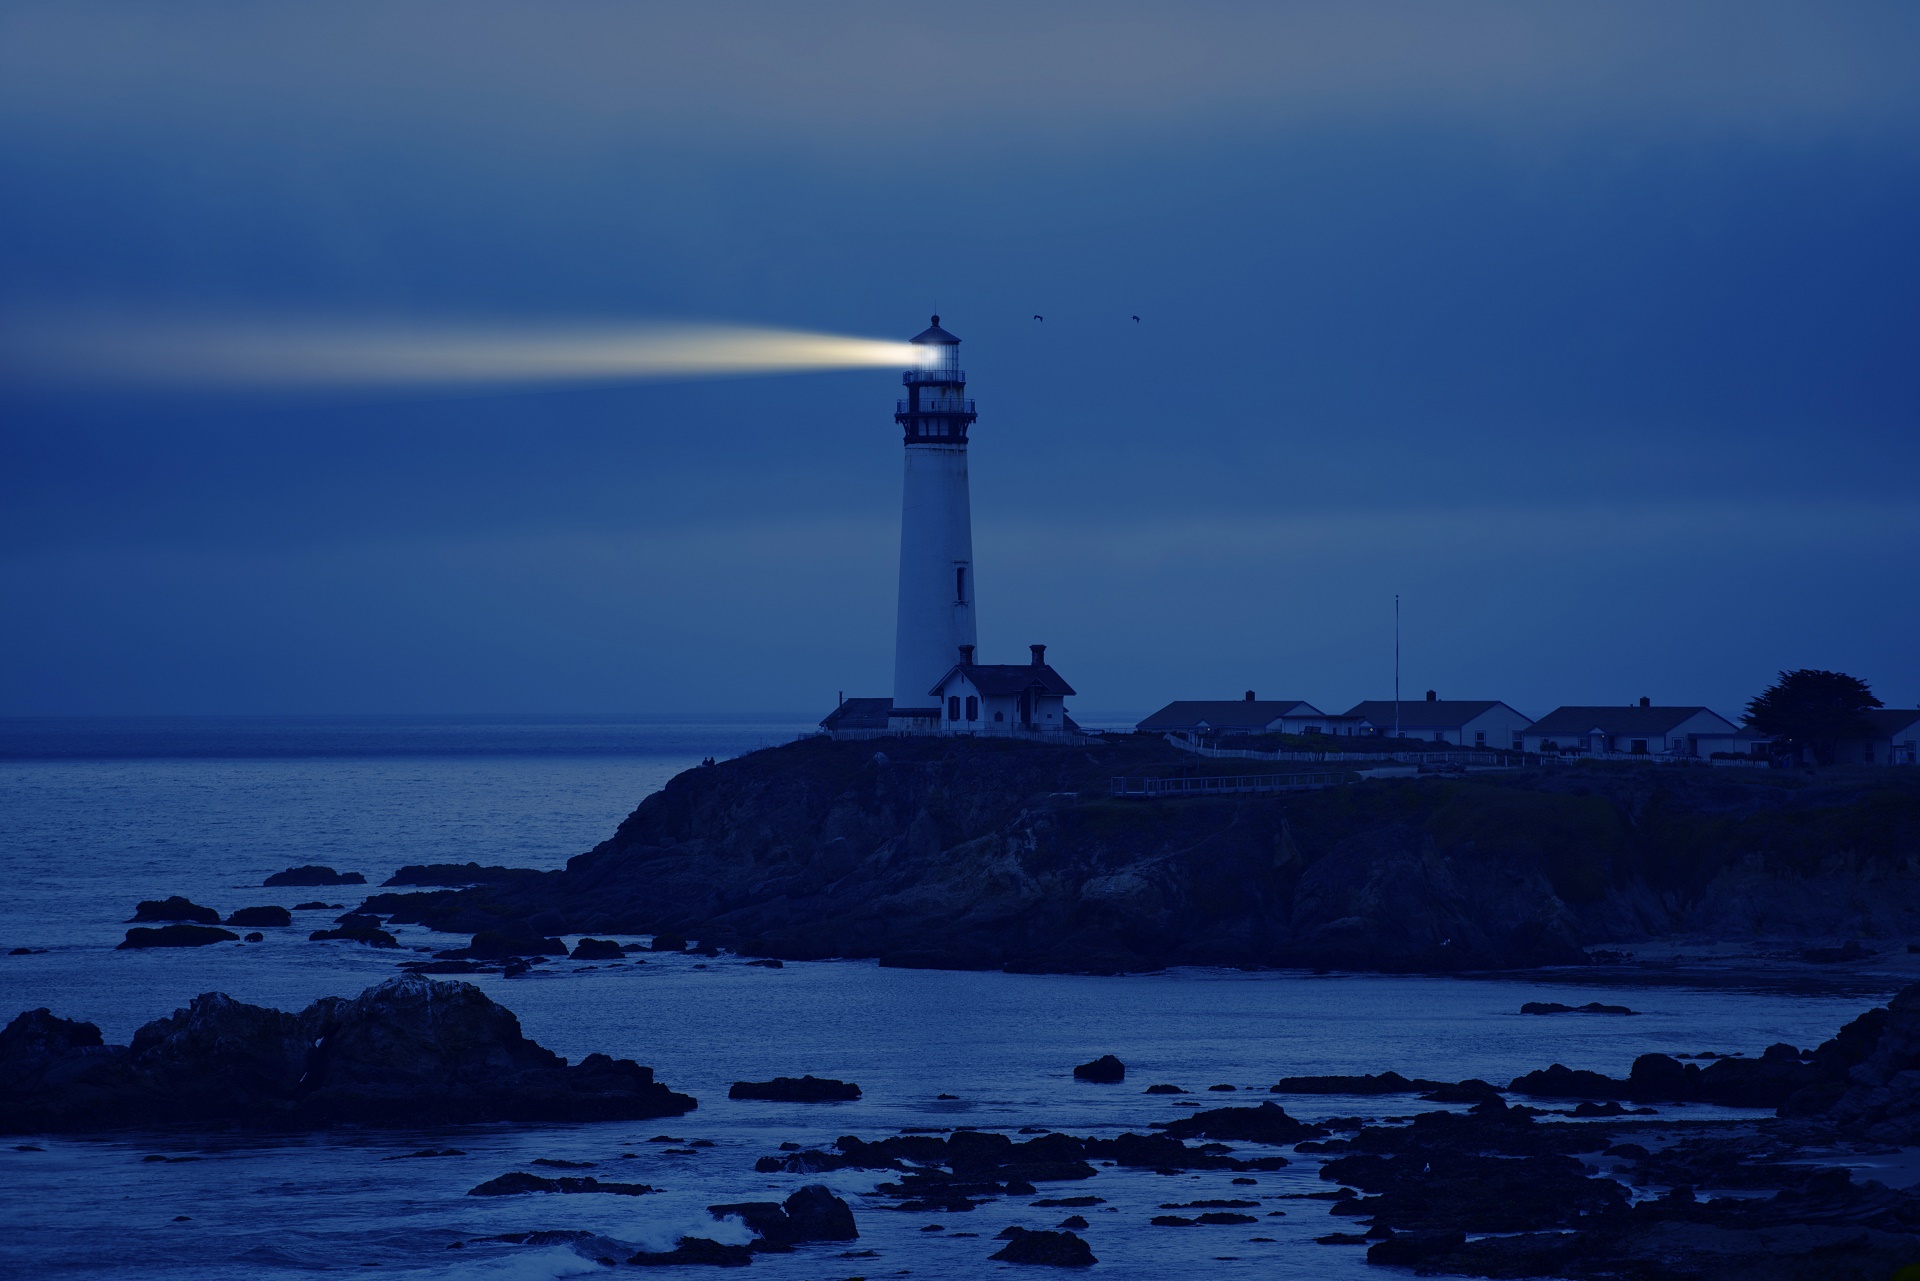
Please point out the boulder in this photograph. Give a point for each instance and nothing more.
(314, 875)
(370, 935)
(1555, 1007)
(1268, 1123)
(597, 950)
(254, 917)
(410, 1052)
(516, 1184)
(1106, 1070)
(498, 945)
(813, 1213)
(695, 1250)
(175, 908)
(796, 1089)
(176, 936)
(1384, 1083)
(1047, 1249)
(669, 943)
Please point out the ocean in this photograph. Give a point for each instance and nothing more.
(98, 814)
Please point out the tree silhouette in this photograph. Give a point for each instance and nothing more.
(1811, 710)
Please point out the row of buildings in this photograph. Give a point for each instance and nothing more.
(1640, 729)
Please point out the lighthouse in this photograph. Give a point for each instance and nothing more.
(935, 624)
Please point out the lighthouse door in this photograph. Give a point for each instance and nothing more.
(1026, 709)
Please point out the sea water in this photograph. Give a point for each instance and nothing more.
(95, 815)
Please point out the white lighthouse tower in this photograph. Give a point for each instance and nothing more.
(936, 619)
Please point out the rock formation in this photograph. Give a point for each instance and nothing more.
(409, 1052)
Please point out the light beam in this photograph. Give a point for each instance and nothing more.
(263, 355)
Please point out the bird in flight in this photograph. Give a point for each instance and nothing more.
(1136, 320)
(1039, 317)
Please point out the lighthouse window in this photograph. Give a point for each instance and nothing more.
(953, 707)
(960, 584)
(973, 708)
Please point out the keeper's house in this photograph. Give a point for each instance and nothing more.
(1011, 699)
(1248, 715)
(1461, 722)
(1644, 730)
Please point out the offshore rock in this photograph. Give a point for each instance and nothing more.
(696, 1250)
(813, 1213)
(517, 1183)
(313, 874)
(1268, 1123)
(597, 950)
(254, 917)
(458, 874)
(1106, 1070)
(1048, 1249)
(176, 936)
(796, 1089)
(175, 908)
(371, 935)
(409, 1052)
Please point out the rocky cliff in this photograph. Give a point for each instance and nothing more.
(964, 853)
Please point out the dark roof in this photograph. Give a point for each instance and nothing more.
(1444, 713)
(1616, 720)
(934, 334)
(1225, 713)
(999, 679)
(1888, 721)
(859, 713)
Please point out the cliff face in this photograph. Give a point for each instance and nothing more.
(985, 853)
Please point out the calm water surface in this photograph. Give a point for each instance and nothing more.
(96, 815)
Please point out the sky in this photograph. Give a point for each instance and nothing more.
(1587, 331)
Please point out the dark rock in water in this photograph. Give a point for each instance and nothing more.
(1047, 1249)
(796, 1089)
(314, 875)
(813, 1213)
(424, 1153)
(768, 963)
(257, 916)
(459, 874)
(1164, 1089)
(1106, 1070)
(597, 950)
(25, 951)
(443, 967)
(669, 943)
(1384, 1083)
(1766, 1082)
(409, 1052)
(371, 936)
(1410, 1249)
(316, 906)
(1268, 1123)
(256, 937)
(1591, 1007)
(177, 936)
(1852, 951)
(1073, 1221)
(495, 945)
(175, 908)
(558, 1163)
(516, 1184)
(696, 1250)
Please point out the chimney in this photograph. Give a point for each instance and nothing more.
(1645, 701)
(1249, 696)
(1039, 655)
(1432, 697)
(966, 655)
